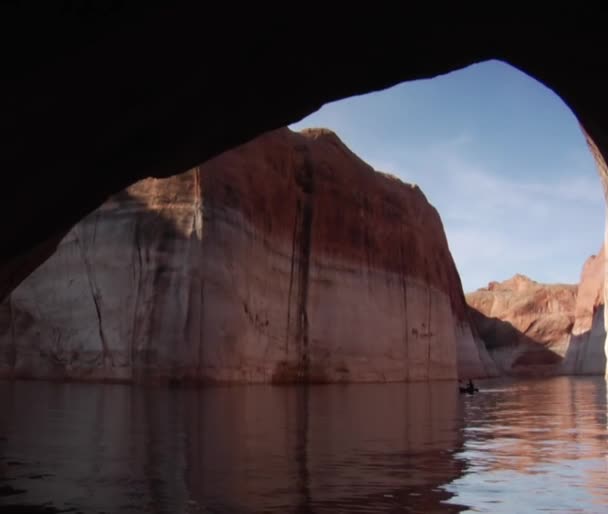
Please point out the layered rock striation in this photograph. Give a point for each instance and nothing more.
(285, 259)
(535, 329)
(586, 352)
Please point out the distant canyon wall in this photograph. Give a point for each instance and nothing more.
(286, 259)
(544, 329)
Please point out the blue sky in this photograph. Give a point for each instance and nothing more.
(498, 154)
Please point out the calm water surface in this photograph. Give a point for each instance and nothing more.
(517, 446)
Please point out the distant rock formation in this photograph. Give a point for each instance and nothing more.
(286, 259)
(537, 329)
(526, 325)
(586, 352)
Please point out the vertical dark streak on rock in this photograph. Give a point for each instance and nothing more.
(293, 255)
(303, 282)
(96, 214)
(304, 178)
(104, 343)
(430, 333)
(95, 296)
(366, 241)
(405, 319)
(201, 327)
(12, 358)
(134, 332)
(199, 212)
(55, 350)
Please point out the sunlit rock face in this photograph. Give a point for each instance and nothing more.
(536, 329)
(586, 354)
(526, 325)
(286, 259)
(600, 265)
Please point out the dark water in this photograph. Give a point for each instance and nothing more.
(518, 446)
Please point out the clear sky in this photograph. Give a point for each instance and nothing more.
(498, 154)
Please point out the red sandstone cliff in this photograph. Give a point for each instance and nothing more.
(590, 296)
(586, 353)
(287, 258)
(533, 328)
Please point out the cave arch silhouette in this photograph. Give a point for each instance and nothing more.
(95, 99)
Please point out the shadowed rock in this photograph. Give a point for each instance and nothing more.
(533, 328)
(93, 99)
(287, 259)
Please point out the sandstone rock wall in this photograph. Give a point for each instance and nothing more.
(536, 329)
(286, 259)
(586, 352)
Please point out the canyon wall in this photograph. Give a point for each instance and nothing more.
(544, 329)
(285, 259)
(586, 351)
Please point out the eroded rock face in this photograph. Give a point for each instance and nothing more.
(285, 259)
(590, 296)
(534, 328)
(526, 325)
(120, 103)
(586, 352)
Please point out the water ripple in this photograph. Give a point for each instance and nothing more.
(517, 446)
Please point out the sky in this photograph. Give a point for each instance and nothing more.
(499, 155)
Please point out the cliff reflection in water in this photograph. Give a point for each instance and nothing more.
(240, 449)
(536, 446)
(518, 446)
